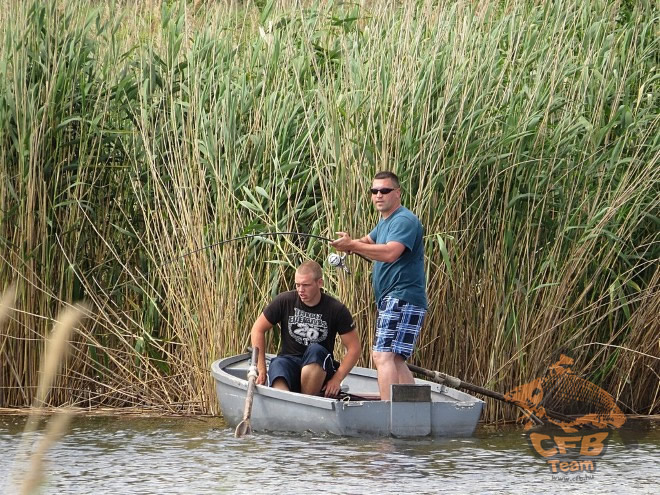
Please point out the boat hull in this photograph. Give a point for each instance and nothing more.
(444, 412)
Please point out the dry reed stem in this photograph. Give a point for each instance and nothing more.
(54, 357)
(56, 351)
(7, 303)
(57, 426)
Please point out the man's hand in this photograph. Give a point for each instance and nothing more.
(261, 379)
(344, 243)
(332, 387)
(258, 338)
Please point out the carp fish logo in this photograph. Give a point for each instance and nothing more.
(585, 413)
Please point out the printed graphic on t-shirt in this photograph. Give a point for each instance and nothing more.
(307, 328)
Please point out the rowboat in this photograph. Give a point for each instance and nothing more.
(425, 409)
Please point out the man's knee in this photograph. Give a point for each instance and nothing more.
(280, 384)
(286, 370)
(383, 358)
(312, 377)
(311, 368)
(398, 359)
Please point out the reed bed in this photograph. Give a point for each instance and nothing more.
(525, 134)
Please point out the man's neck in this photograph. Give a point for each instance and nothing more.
(389, 214)
(311, 304)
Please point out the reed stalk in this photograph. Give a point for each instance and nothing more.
(28, 473)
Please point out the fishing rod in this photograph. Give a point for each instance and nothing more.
(334, 259)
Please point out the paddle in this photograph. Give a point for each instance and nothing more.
(453, 382)
(244, 427)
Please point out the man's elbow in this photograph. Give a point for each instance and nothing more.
(392, 256)
(258, 333)
(393, 252)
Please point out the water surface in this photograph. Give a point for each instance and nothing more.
(136, 455)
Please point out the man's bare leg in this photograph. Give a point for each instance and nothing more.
(280, 384)
(403, 372)
(387, 372)
(312, 377)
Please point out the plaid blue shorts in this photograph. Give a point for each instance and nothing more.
(398, 326)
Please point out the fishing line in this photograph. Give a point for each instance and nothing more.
(334, 259)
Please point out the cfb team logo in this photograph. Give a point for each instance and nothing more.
(584, 412)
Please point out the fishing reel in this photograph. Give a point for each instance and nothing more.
(338, 261)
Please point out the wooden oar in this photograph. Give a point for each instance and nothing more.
(244, 427)
(453, 382)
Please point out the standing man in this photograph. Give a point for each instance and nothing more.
(309, 320)
(396, 246)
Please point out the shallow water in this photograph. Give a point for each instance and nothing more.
(136, 455)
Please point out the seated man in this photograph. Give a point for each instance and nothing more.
(309, 319)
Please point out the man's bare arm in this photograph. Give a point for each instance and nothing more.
(258, 337)
(351, 342)
(365, 246)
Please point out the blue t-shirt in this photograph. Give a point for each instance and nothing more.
(403, 278)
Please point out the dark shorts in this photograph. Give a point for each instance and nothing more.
(398, 326)
(289, 367)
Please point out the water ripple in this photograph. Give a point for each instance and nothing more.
(146, 456)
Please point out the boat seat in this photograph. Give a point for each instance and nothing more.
(410, 410)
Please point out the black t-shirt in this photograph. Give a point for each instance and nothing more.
(302, 325)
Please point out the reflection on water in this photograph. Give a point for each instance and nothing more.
(122, 454)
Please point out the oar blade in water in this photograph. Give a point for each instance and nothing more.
(244, 427)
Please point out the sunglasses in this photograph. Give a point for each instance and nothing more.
(383, 190)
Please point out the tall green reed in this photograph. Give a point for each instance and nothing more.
(525, 136)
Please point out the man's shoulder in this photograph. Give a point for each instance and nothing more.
(285, 297)
(404, 214)
(403, 220)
